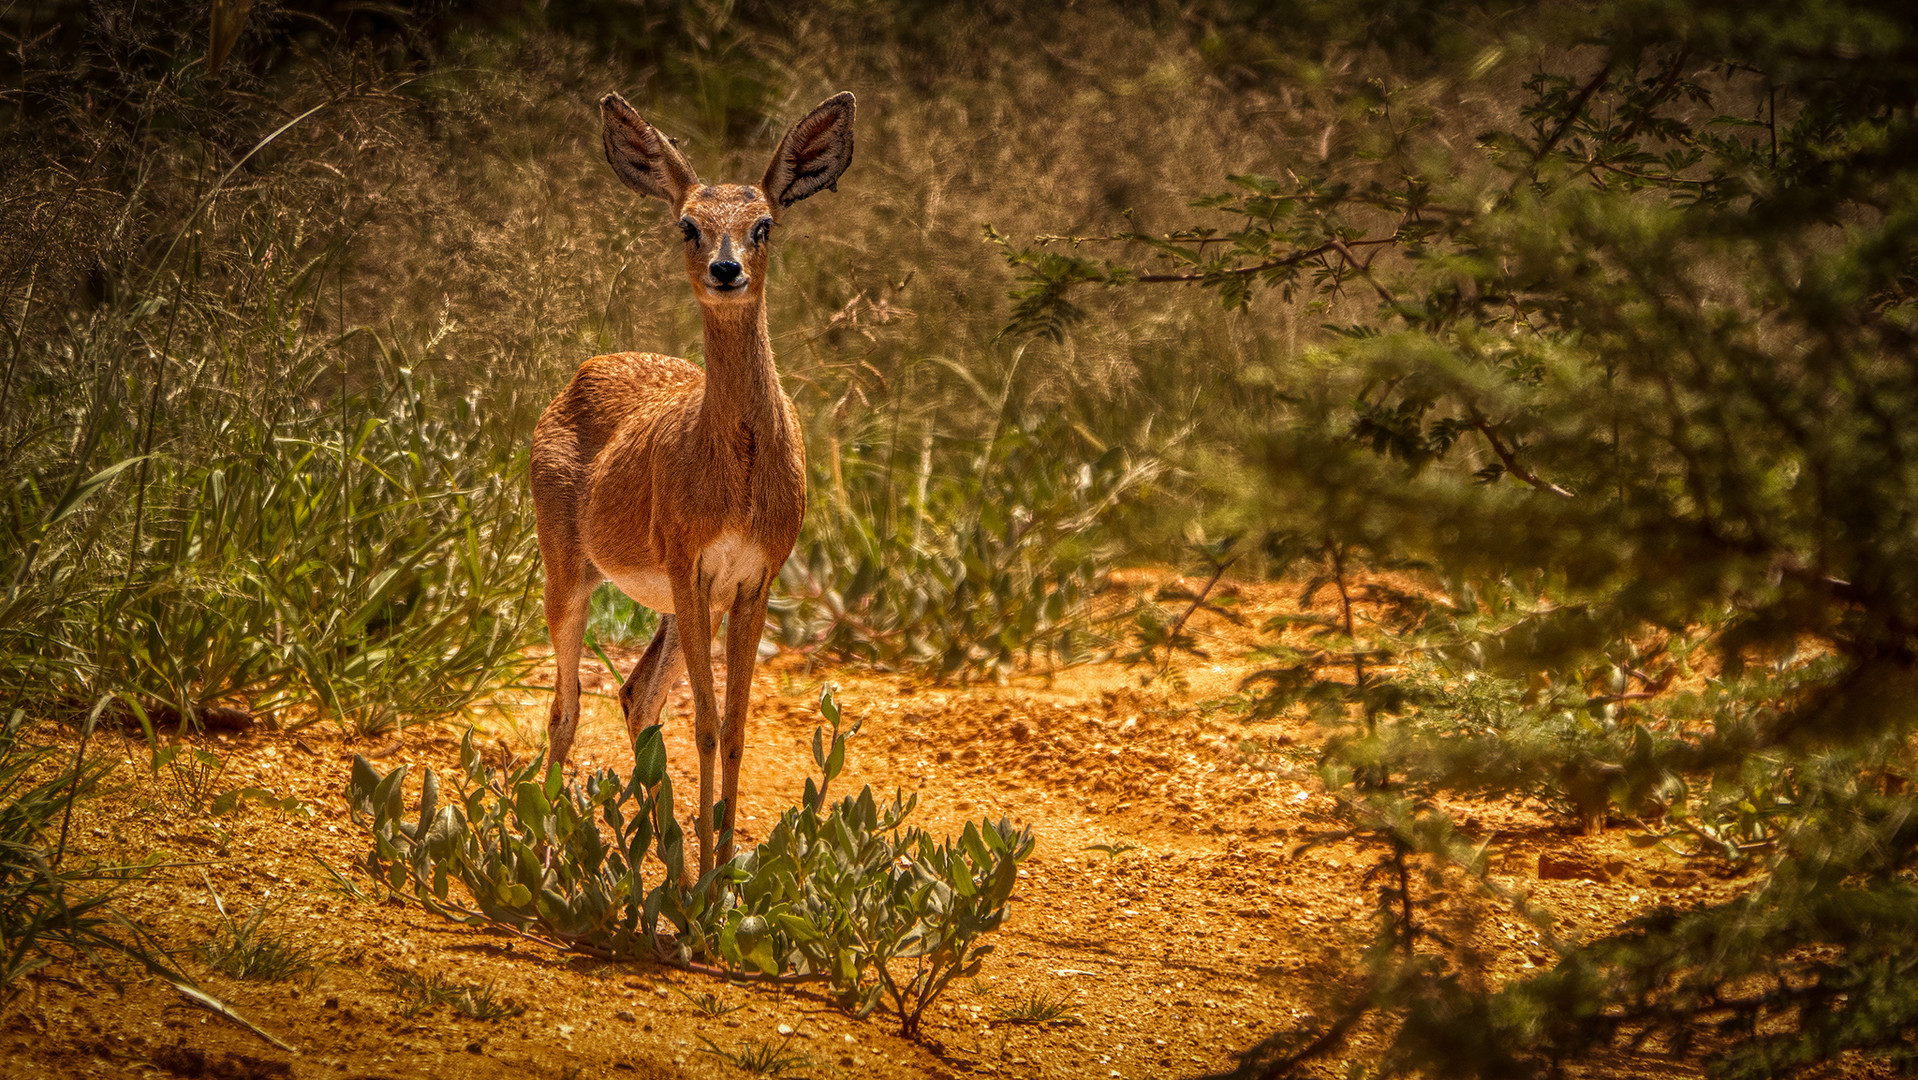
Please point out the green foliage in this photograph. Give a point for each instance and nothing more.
(760, 1057)
(247, 950)
(1599, 487)
(990, 569)
(288, 564)
(843, 893)
(193, 773)
(53, 906)
(424, 993)
(614, 617)
(1038, 1008)
(1156, 625)
(341, 885)
(220, 484)
(707, 1004)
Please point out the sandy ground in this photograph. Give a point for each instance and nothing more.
(1209, 932)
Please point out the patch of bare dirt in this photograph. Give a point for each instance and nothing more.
(1166, 907)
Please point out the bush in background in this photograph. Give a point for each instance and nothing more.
(1608, 490)
(213, 264)
(225, 484)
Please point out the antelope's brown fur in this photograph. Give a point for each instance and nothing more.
(684, 487)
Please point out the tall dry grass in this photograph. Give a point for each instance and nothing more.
(228, 481)
(359, 265)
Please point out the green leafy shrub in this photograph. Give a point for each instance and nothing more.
(1600, 477)
(361, 557)
(991, 569)
(844, 893)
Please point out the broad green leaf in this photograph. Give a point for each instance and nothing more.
(836, 760)
(386, 795)
(649, 757)
(429, 800)
(762, 956)
(360, 791)
(443, 837)
(801, 929)
(534, 810)
(470, 761)
(975, 845)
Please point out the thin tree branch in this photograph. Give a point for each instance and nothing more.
(1172, 636)
(1364, 270)
(1607, 167)
(1511, 464)
(1272, 264)
(1241, 271)
(1658, 95)
(1578, 108)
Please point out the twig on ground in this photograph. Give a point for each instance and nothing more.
(221, 1009)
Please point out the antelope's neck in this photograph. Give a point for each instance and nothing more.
(742, 386)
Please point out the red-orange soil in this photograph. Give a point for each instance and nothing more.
(1207, 934)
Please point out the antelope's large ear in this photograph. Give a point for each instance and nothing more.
(813, 153)
(648, 161)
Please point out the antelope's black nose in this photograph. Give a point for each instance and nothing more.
(724, 271)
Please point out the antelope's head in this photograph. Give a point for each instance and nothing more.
(728, 228)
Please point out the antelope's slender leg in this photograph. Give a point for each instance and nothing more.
(644, 692)
(568, 596)
(744, 625)
(692, 608)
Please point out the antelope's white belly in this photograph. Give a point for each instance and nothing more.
(732, 560)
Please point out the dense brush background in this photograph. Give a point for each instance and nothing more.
(309, 307)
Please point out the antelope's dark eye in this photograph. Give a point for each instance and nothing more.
(691, 230)
(762, 229)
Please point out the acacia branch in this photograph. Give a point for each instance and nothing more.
(1620, 170)
(1511, 464)
(1577, 109)
(1658, 95)
(1364, 270)
(1271, 264)
(1172, 636)
(1241, 271)
(1128, 238)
